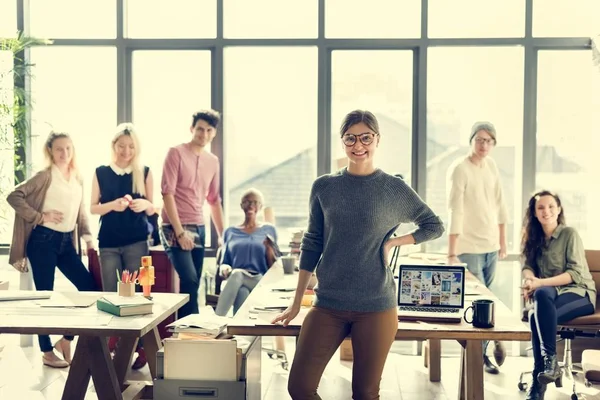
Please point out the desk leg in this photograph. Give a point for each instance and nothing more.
(471, 371)
(152, 344)
(434, 359)
(92, 358)
(123, 356)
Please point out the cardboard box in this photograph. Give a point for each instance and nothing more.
(346, 353)
(247, 387)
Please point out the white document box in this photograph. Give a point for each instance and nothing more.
(246, 386)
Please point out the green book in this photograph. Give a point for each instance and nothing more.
(120, 307)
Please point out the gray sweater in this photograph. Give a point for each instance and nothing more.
(351, 217)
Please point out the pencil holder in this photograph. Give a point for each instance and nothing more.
(126, 289)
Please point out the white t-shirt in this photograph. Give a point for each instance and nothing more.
(64, 196)
(476, 205)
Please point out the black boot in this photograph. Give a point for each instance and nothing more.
(536, 390)
(551, 372)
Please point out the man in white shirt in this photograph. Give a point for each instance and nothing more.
(478, 215)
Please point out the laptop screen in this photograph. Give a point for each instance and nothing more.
(431, 286)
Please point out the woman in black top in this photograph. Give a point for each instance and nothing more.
(122, 196)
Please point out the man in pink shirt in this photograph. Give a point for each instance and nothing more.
(191, 175)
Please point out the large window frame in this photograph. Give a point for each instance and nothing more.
(531, 45)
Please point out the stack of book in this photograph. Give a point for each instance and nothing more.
(295, 243)
(122, 306)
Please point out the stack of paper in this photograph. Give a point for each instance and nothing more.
(206, 324)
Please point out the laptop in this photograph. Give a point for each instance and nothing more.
(433, 293)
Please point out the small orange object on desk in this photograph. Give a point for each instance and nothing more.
(146, 277)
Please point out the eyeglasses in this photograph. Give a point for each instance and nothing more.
(365, 138)
(247, 203)
(480, 140)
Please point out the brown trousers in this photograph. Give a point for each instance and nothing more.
(322, 332)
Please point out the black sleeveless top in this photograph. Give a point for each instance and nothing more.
(119, 229)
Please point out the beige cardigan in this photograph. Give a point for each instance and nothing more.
(28, 199)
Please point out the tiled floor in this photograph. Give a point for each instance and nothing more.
(22, 376)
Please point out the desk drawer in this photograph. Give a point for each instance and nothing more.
(167, 389)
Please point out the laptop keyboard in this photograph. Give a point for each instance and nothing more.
(429, 309)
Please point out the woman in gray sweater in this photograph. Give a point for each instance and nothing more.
(353, 214)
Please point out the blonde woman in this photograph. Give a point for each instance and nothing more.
(122, 196)
(50, 219)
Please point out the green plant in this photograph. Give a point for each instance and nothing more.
(15, 107)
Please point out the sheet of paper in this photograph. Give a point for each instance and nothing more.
(123, 300)
(69, 300)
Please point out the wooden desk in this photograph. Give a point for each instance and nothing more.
(92, 357)
(508, 327)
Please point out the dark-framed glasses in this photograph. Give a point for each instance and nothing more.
(480, 140)
(247, 203)
(365, 138)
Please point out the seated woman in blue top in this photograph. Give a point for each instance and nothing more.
(247, 254)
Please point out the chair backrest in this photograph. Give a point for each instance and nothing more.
(593, 260)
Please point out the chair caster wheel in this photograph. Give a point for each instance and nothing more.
(285, 365)
(522, 386)
(573, 396)
(271, 355)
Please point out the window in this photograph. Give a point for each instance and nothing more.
(567, 136)
(381, 82)
(271, 131)
(270, 19)
(467, 85)
(73, 19)
(168, 87)
(74, 91)
(375, 19)
(6, 147)
(476, 18)
(171, 19)
(8, 19)
(558, 18)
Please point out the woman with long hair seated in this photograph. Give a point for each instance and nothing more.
(248, 254)
(556, 278)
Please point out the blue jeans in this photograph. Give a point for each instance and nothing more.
(118, 259)
(188, 264)
(549, 310)
(483, 265)
(48, 249)
(236, 291)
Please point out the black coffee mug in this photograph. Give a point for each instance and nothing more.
(483, 314)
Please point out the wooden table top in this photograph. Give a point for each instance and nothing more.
(508, 326)
(30, 317)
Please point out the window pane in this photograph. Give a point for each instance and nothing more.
(6, 147)
(558, 18)
(74, 90)
(73, 19)
(381, 82)
(378, 19)
(467, 85)
(164, 101)
(476, 18)
(566, 127)
(171, 19)
(8, 18)
(271, 19)
(271, 131)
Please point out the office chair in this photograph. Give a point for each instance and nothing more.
(582, 327)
